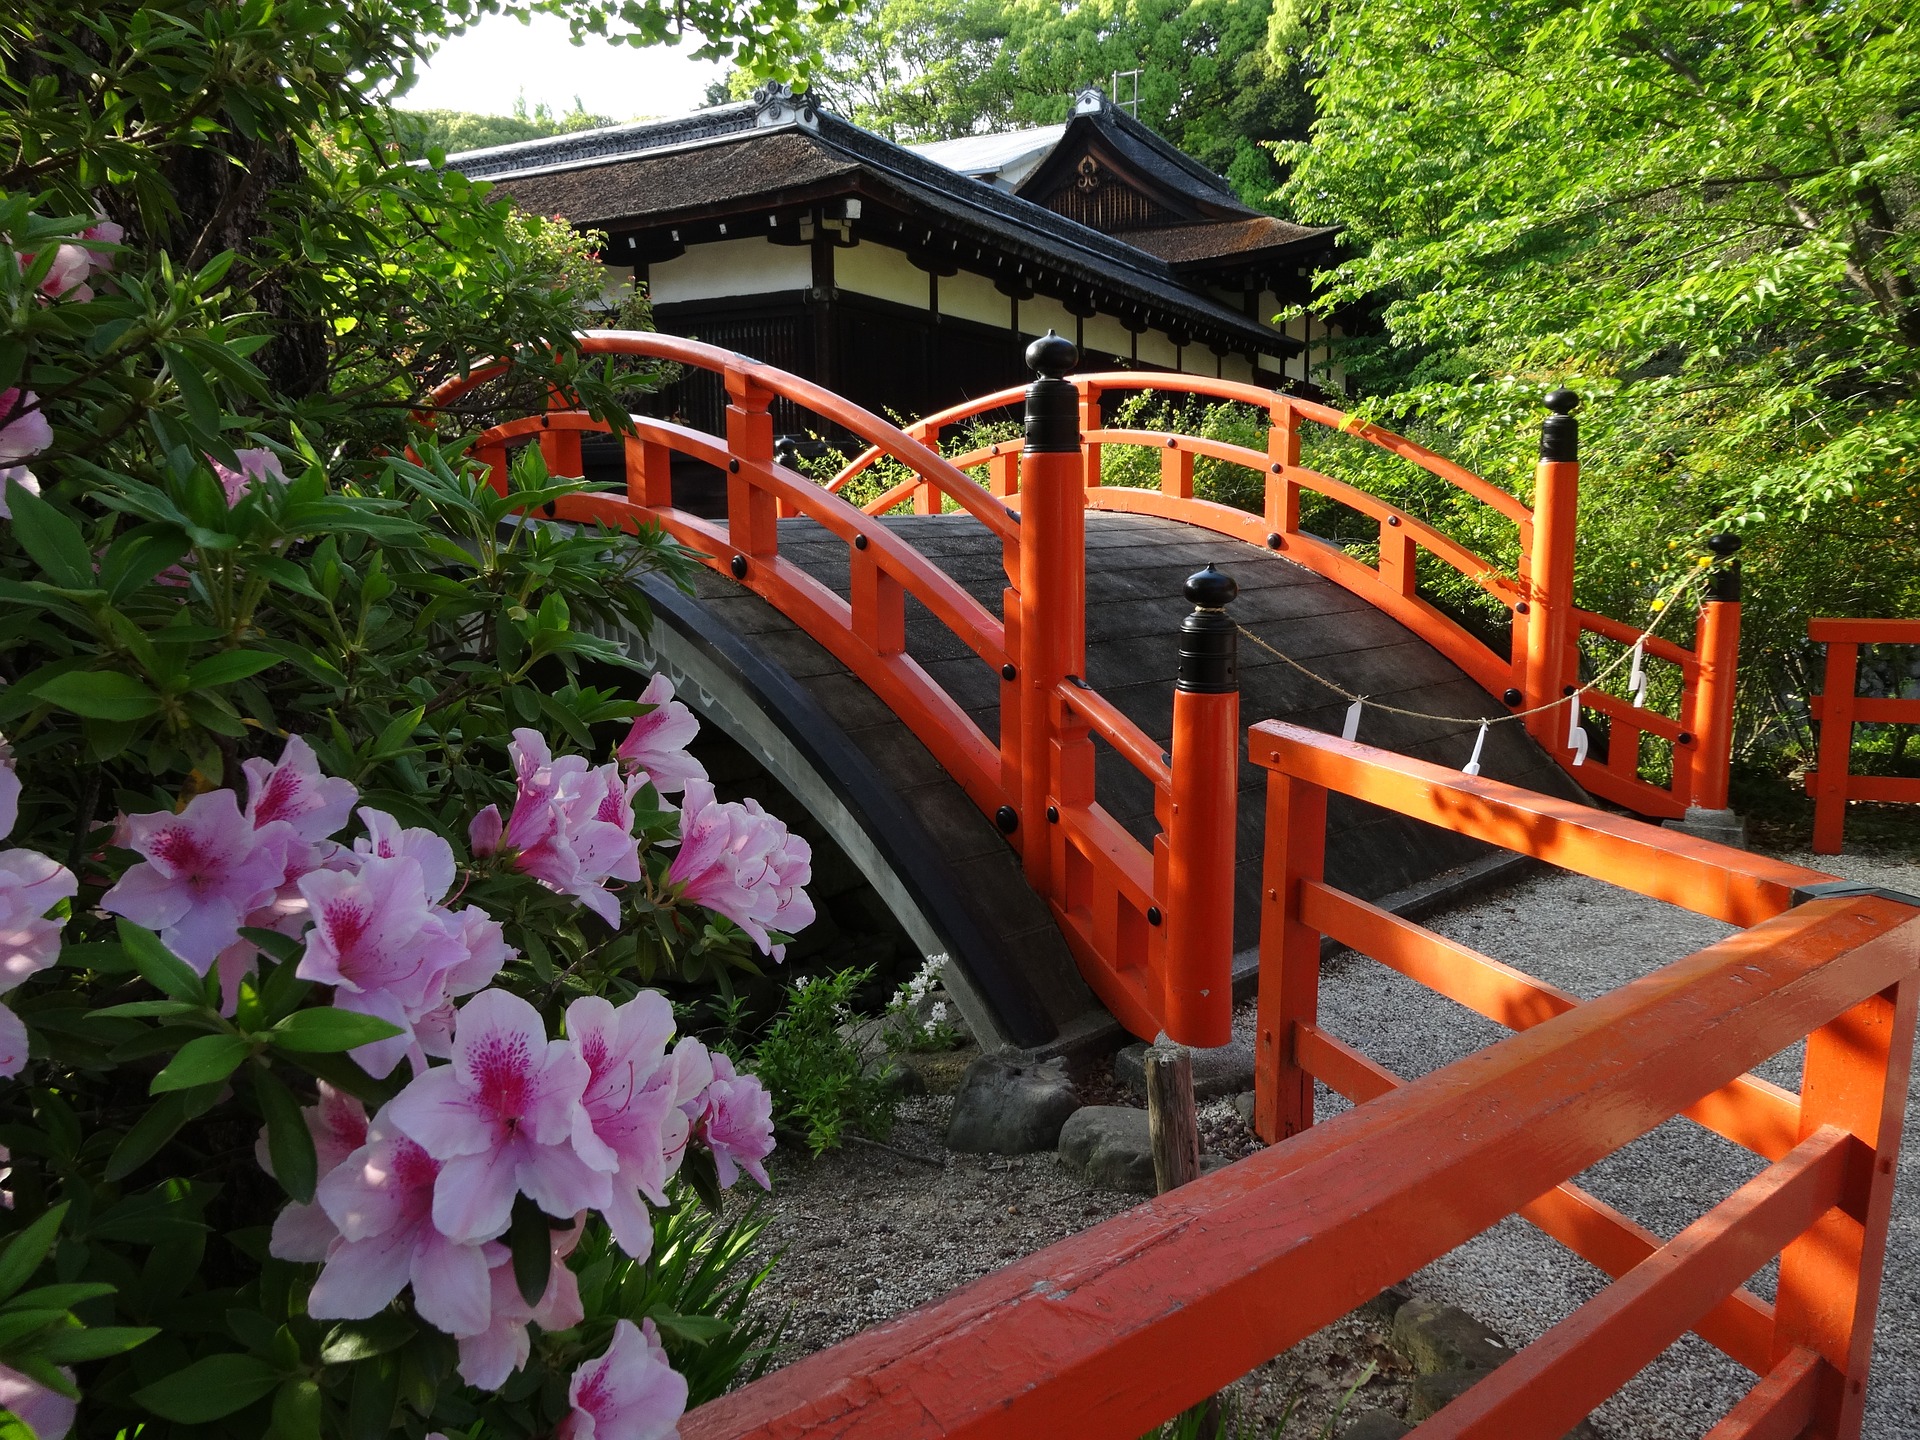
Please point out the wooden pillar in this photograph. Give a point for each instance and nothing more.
(1550, 630)
(1835, 756)
(1289, 955)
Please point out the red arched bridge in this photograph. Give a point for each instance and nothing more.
(976, 624)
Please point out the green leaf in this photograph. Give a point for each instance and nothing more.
(323, 1031)
(203, 1061)
(354, 1340)
(208, 1389)
(149, 1133)
(530, 1239)
(99, 694)
(163, 969)
(289, 1141)
(232, 665)
(697, 1328)
(54, 541)
(296, 1410)
(74, 1347)
(149, 1009)
(26, 1250)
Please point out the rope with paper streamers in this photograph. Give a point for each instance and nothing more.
(1634, 657)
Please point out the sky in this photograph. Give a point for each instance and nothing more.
(500, 59)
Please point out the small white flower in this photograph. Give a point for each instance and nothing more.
(938, 1014)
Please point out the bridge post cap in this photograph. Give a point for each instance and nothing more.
(1562, 401)
(1052, 355)
(1725, 544)
(1210, 589)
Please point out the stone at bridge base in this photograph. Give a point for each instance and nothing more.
(1723, 826)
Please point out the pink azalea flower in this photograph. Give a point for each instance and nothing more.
(293, 790)
(382, 946)
(24, 430)
(657, 744)
(744, 863)
(386, 837)
(381, 1200)
(13, 1044)
(632, 1104)
(630, 1393)
(30, 886)
(66, 278)
(205, 870)
(571, 827)
(338, 1124)
(484, 832)
(736, 1123)
(487, 952)
(103, 233)
(255, 465)
(489, 1356)
(47, 1413)
(500, 1120)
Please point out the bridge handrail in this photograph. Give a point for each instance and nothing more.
(1832, 782)
(882, 436)
(1243, 393)
(1110, 1332)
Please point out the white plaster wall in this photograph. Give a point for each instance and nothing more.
(1157, 349)
(882, 272)
(1043, 313)
(1103, 332)
(752, 265)
(1236, 367)
(967, 296)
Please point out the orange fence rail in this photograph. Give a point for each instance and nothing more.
(1150, 933)
(1112, 1331)
(1837, 710)
(1543, 658)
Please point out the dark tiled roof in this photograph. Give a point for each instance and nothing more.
(674, 182)
(777, 142)
(1184, 245)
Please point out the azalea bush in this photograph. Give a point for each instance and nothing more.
(338, 849)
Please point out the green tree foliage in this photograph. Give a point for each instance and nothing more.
(421, 132)
(934, 69)
(1700, 215)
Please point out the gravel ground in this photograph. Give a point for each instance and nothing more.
(870, 1232)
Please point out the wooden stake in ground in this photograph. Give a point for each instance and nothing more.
(1171, 1122)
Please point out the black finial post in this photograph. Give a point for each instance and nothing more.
(786, 452)
(1209, 641)
(1725, 584)
(1053, 406)
(1560, 432)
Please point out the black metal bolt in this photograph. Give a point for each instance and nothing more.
(1511, 696)
(1521, 608)
(1276, 467)
(1686, 737)
(1273, 540)
(1566, 689)
(1153, 914)
(1172, 444)
(859, 542)
(739, 567)
(1053, 814)
(1007, 818)
(1007, 672)
(1393, 520)
(733, 465)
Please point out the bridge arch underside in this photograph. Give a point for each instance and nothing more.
(953, 878)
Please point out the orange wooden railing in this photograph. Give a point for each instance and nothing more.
(1831, 782)
(1543, 658)
(1114, 1330)
(1150, 933)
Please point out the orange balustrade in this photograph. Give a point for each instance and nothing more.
(1128, 913)
(1838, 709)
(1112, 1331)
(1542, 658)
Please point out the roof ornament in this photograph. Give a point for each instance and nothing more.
(777, 104)
(1090, 101)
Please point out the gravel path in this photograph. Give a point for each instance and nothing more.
(869, 1233)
